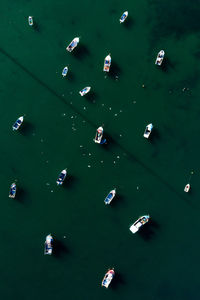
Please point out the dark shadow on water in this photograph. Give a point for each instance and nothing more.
(117, 281)
(118, 200)
(70, 181)
(27, 128)
(80, 52)
(115, 70)
(128, 23)
(36, 27)
(91, 97)
(166, 65)
(155, 136)
(148, 231)
(59, 248)
(21, 195)
(70, 76)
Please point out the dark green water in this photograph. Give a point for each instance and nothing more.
(158, 263)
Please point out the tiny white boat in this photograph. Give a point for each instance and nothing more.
(187, 188)
(30, 21)
(108, 278)
(73, 44)
(99, 135)
(148, 130)
(18, 123)
(13, 190)
(85, 90)
(48, 245)
(110, 196)
(65, 71)
(107, 63)
(123, 17)
(61, 177)
(139, 223)
(160, 57)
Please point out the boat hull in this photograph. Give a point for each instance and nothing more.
(160, 57)
(61, 177)
(107, 63)
(48, 245)
(148, 130)
(187, 188)
(139, 223)
(18, 123)
(65, 71)
(73, 44)
(84, 91)
(108, 278)
(110, 197)
(123, 17)
(13, 190)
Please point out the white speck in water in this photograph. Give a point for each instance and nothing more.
(64, 114)
(70, 102)
(110, 108)
(89, 154)
(63, 95)
(102, 161)
(120, 135)
(72, 117)
(84, 108)
(47, 161)
(120, 110)
(81, 146)
(83, 121)
(102, 104)
(47, 183)
(134, 102)
(115, 115)
(51, 191)
(42, 140)
(114, 161)
(89, 166)
(137, 187)
(71, 93)
(64, 236)
(118, 156)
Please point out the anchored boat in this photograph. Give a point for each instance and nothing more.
(85, 90)
(99, 136)
(73, 44)
(18, 123)
(139, 223)
(13, 190)
(160, 57)
(107, 63)
(187, 188)
(108, 278)
(148, 130)
(65, 71)
(123, 17)
(30, 21)
(110, 196)
(61, 177)
(48, 245)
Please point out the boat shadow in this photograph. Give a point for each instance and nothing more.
(60, 248)
(155, 136)
(81, 52)
(91, 97)
(70, 76)
(119, 199)
(115, 70)
(36, 27)
(27, 128)
(70, 181)
(129, 22)
(167, 65)
(147, 231)
(117, 281)
(21, 195)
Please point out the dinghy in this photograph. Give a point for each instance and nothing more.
(108, 278)
(160, 57)
(110, 196)
(48, 245)
(123, 17)
(139, 223)
(65, 71)
(13, 190)
(30, 21)
(107, 63)
(85, 90)
(187, 188)
(18, 123)
(73, 44)
(148, 130)
(61, 177)
(99, 136)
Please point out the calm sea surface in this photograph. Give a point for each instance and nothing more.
(162, 261)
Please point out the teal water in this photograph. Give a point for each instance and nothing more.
(158, 263)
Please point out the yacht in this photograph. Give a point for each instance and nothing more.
(99, 136)
(13, 190)
(139, 223)
(107, 63)
(73, 44)
(61, 177)
(148, 130)
(18, 123)
(110, 196)
(85, 90)
(187, 188)
(30, 21)
(48, 245)
(65, 71)
(160, 57)
(108, 278)
(123, 17)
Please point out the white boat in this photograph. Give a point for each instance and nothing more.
(107, 63)
(65, 71)
(99, 135)
(139, 223)
(30, 21)
(148, 130)
(108, 278)
(160, 57)
(61, 177)
(123, 17)
(187, 188)
(110, 196)
(85, 90)
(18, 123)
(13, 190)
(73, 44)
(48, 245)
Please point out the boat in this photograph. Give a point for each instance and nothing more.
(108, 278)
(13, 190)
(61, 177)
(73, 44)
(123, 17)
(99, 135)
(107, 63)
(18, 123)
(48, 245)
(148, 130)
(187, 188)
(110, 196)
(139, 223)
(65, 71)
(85, 90)
(30, 21)
(160, 57)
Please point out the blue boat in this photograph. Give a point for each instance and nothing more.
(18, 123)
(13, 190)
(123, 17)
(110, 196)
(48, 245)
(61, 177)
(65, 71)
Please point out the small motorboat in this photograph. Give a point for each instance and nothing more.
(99, 136)
(160, 57)
(13, 190)
(85, 90)
(187, 188)
(107, 63)
(123, 17)
(139, 223)
(65, 71)
(48, 245)
(61, 177)
(73, 44)
(18, 123)
(110, 196)
(108, 278)
(30, 21)
(148, 130)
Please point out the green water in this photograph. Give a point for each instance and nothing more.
(158, 263)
